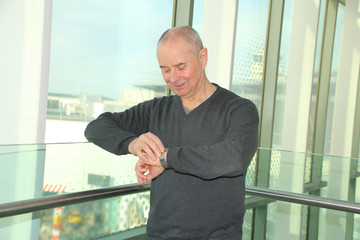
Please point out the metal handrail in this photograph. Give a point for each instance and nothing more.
(27, 206)
(304, 199)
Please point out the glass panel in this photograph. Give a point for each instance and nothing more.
(125, 216)
(96, 219)
(336, 174)
(247, 225)
(248, 66)
(287, 172)
(83, 166)
(249, 49)
(21, 172)
(282, 73)
(251, 172)
(103, 58)
(78, 167)
(198, 15)
(68, 168)
(284, 221)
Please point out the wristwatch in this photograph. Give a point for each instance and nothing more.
(163, 161)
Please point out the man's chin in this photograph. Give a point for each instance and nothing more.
(180, 93)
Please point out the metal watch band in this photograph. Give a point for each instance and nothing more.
(163, 161)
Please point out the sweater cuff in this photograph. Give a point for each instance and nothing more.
(127, 142)
(171, 156)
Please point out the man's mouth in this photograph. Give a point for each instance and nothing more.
(179, 86)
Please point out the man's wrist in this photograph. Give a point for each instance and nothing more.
(163, 160)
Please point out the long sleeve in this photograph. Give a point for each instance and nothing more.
(114, 131)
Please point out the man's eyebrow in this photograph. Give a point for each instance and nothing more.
(179, 64)
(176, 65)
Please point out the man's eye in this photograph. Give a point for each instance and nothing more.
(165, 70)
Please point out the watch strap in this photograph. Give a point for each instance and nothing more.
(163, 161)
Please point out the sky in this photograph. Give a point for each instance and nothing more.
(104, 46)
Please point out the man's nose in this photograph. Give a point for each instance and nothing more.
(174, 76)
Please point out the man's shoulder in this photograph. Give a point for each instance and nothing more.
(231, 98)
(160, 101)
(164, 99)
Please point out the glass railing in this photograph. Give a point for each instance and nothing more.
(43, 172)
(59, 172)
(331, 179)
(123, 217)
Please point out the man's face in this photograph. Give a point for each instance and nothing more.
(182, 69)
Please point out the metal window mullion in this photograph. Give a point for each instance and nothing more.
(267, 112)
(356, 135)
(183, 13)
(321, 110)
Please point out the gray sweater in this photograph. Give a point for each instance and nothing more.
(202, 195)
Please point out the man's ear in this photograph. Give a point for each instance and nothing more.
(203, 55)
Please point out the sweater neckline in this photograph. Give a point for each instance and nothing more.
(198, 108)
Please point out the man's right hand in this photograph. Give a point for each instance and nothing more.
(147, 147)
(145, 173)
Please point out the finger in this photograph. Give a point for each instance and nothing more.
(141, 178)
(141, 167)
(147, 153)
(156, 144)
(138, 151)
(153, 145)
(137, 146)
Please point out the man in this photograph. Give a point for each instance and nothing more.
(194, 146)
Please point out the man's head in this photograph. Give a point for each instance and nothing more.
(187, 33)
(182, 60)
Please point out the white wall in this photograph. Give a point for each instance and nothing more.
(23, 96)
(218, 34)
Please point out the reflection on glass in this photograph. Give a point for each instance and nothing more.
(96, 219)
(249, 57)
(103, 58)
(198, 16)
(249, 49)
(79, 167)
(282, 72)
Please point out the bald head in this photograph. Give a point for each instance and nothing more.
(185, 32)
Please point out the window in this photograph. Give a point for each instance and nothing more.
(249, 49)
(103, 58)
